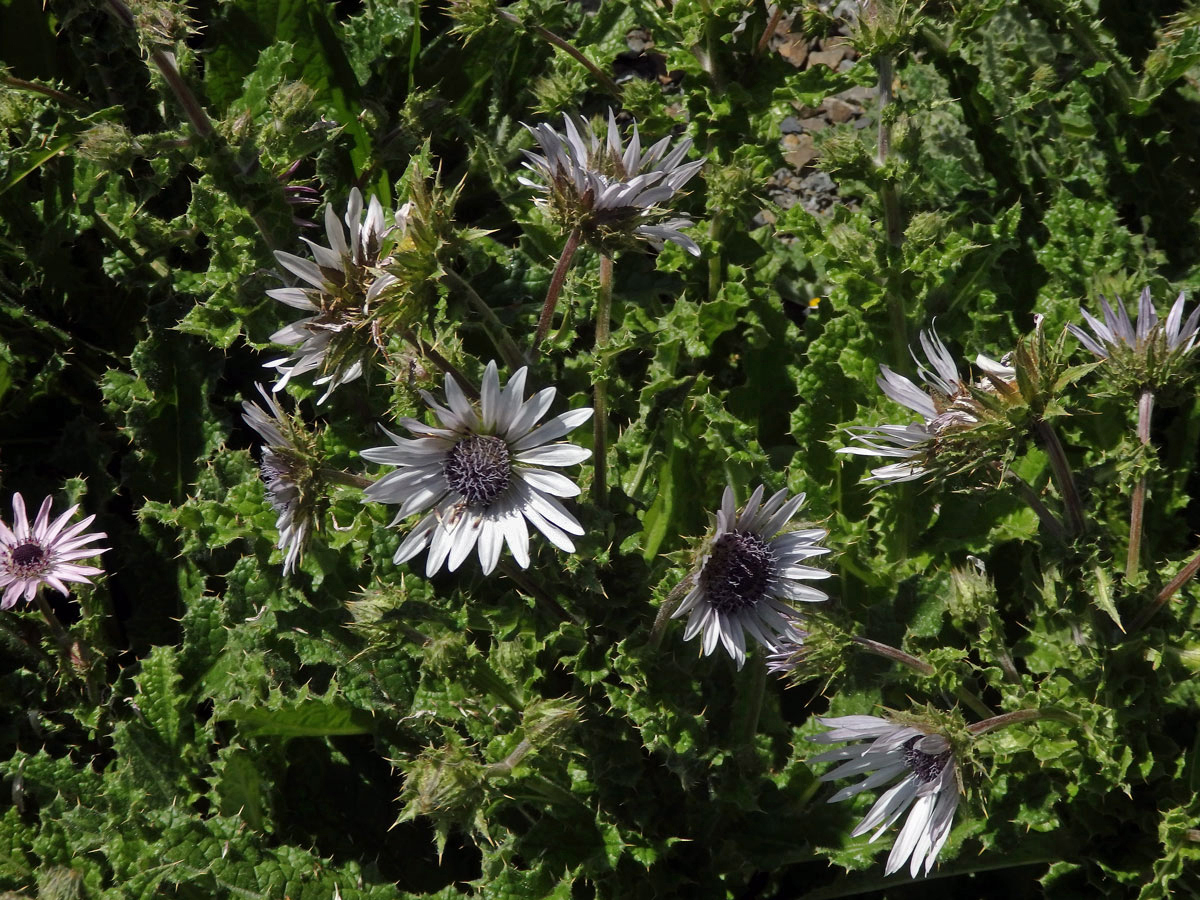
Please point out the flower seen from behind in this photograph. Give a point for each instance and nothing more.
(923, 773)
(287, 472)
(610, 191)
(482, 475)
(751, 574)
(44, 552)
(947, 405)
(340, 284)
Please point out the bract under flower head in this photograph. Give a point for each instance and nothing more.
(751, 575)
(928, 783)
(612, 192)
(288, 475)
(481, 473)
(44, 552)
(341, 282)
(947, 406)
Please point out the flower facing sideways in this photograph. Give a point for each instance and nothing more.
(611, 192)
(44, 553)
(287, 473)
(751, 574)
(340, 286)
(928, 783)
(947, 405)
(481, 475)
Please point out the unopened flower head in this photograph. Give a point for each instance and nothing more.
(44, 552)
(340, 284)
(1148, 353)
(287, 471)
(922, 770)
(481, 475)
(948, 407)
(611, 192)
(750, 575)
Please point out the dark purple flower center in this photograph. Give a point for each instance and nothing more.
(27, 558)
(479, 468)
(926, 766)
(737, 572)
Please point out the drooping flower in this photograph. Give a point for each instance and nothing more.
(44, 552)
(610, 191)
(947, 405)
(481, 474)
(287, 471)
(341, 282)
(927, 771)
(750, 575)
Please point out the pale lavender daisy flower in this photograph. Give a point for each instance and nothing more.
(751, 574)
(44, 553)
(928, 783)
(341, 282)
(609, 190)
(945, 404)
(1107, 337)
(481, 474)
(287, 472)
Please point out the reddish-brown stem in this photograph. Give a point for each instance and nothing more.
(1186, 574)
(556, 285)
(769, 31)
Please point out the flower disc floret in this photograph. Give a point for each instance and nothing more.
(44, 552)
(751, 574)
(482, 475)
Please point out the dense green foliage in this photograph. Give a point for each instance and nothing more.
(357, 730)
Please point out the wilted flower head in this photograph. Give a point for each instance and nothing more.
(482, 474)
(44, 553)
(341, 282)
(947, 405)
(288, 473)
(612, 193)
(1145, 354)
(928, 783)
(750, 575)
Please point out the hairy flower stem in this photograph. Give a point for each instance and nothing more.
(510, 762)
(1063, 476)
(1048, 519)
(505, 345)
(1138, 509)
(889, 199)
(752, 701)
(920, 666)
(600, 383)
(667, 607)
(1024, 715)
(1186, 574)
(769, 31)
(555, 610)
(567, 47)
(16, 642)
(441, 362)
(348, 479)
(20, 84)
(556, 285)
(164, 61)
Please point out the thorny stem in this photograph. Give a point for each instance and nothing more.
(918, 665)
(68, 648)
(1049, 520)
(755, 692)
(555, 609)
(769, 31)
(568, 48)
(60, 633)
(991, 622)
(349, 479)
(21, 84)
(1185, 575)
(600, 383)
(505, 345)
(889, 199)
(164, 61)
(1025, 715)
(666, 608)
(441, 362)
(510, 762)
(1062, 475)
(1138, 509)
(17, 641)
(556, 284)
